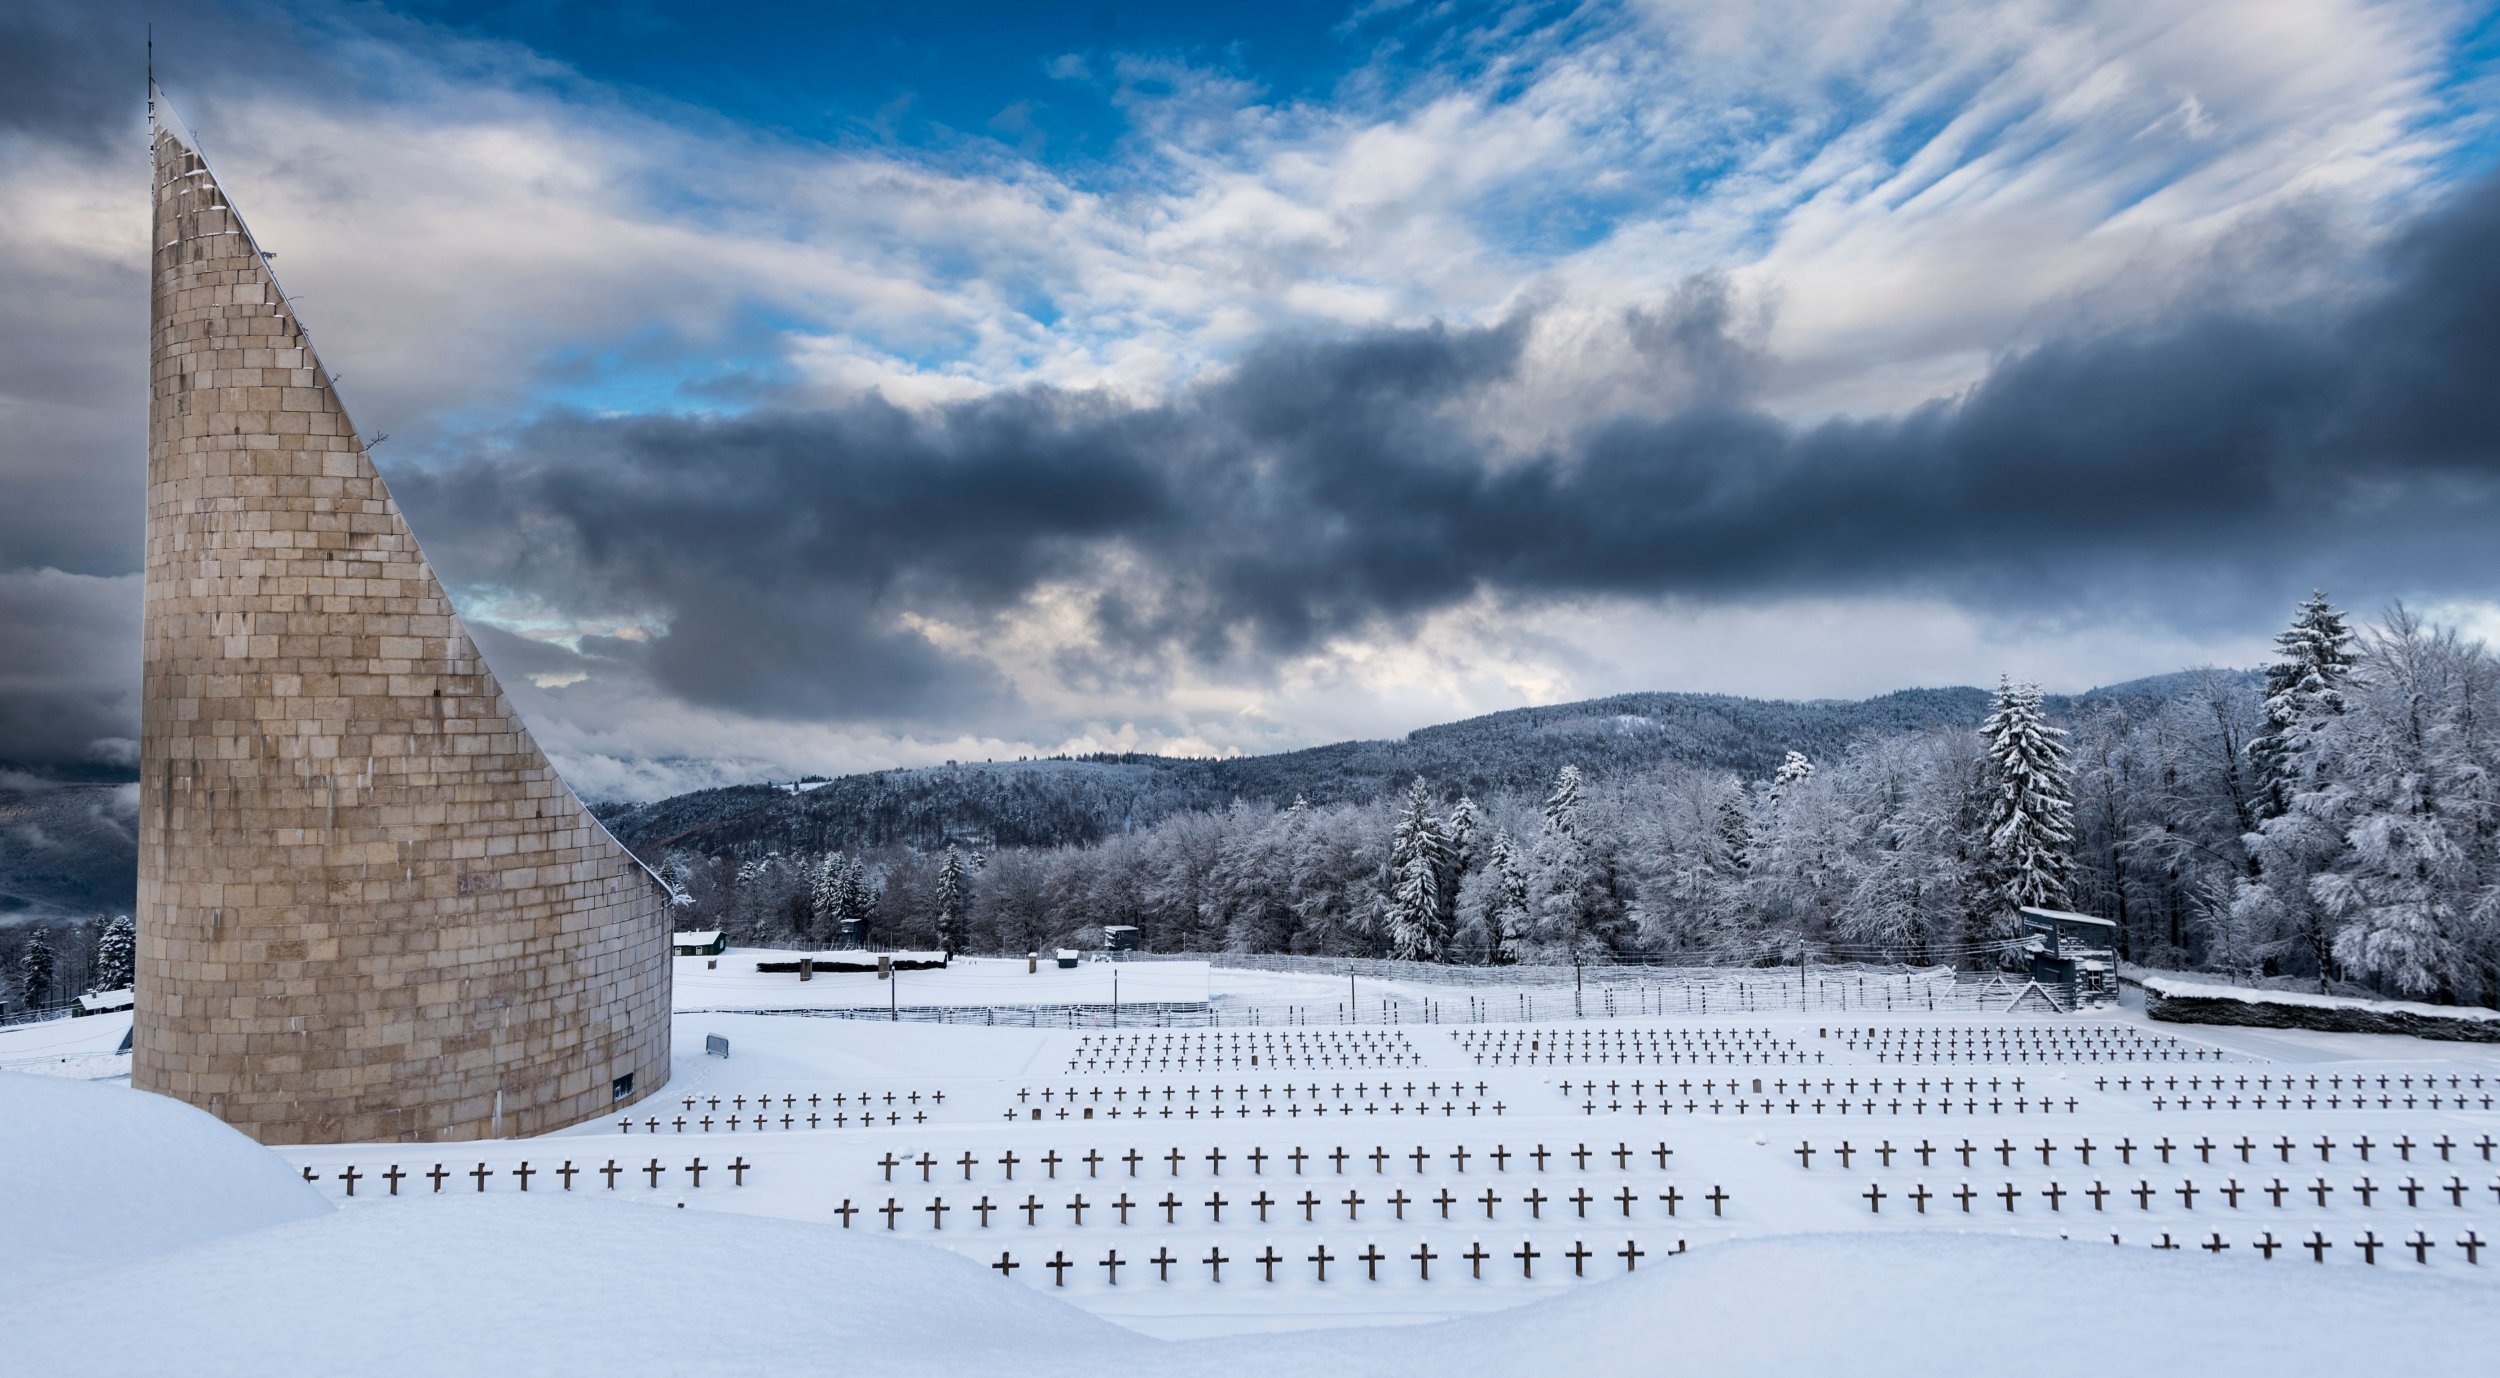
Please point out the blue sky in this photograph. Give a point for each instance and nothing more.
(1289, 260)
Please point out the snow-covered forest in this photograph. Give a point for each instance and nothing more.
(2338, 823)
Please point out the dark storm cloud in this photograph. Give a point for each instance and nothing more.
(2193, 471)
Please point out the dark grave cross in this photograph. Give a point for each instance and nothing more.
(889, 1210)
(1536, 1202)
(480, 1173)
(1445, 1201)
(2421, 1246)
(2008, 1195)
(1423, 1257)
(1489, 1200)
(2187, 1195)
(1171, 1205)
(2214, 1244)
(983, 1210)
(2369, 1244)
(1398, 1201)
(2267, 1244)
(1262, 1202)
(609, 1172)
(1527, 1257)
(395, 1176)
(1163, 1262)
(1371, 1257)
(1965, 1195)
(1922, 1196)
(1059, 1264)
(1032, 1207)
(1875, 1199)
(1476, 1256)
(1630, 1254)
(1050, 1164)
(1215, 1206)
(2365, 1189)
(2055, 1194)
(1321, 1256)
(1092, 1161)
(2472, 1244)
(1579, 1254)
(2317, 1246)
(1006, 1265)
(1112, 1264)
(1718, 1199)
(525, 1173)
(350, 1177)
(1671, 1196)
(937, 1210)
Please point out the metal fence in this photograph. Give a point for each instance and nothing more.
(1547, 994)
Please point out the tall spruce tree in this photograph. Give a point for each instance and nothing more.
(1418, 857)
(1507, 919)
(37, 968)
(2302, 689)
(2031, 819)
(116, 955)
(954, 901)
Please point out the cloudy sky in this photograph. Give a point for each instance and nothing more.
(791, 387)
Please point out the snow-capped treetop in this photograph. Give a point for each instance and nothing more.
(2031, 820)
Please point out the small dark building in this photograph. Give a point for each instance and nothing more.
(1119, 937)
(2074, 956)
(703, 943)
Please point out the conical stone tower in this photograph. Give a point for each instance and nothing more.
(368, 907)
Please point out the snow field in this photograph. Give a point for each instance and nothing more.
(1171, 1194)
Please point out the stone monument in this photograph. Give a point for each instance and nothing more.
(368, 907)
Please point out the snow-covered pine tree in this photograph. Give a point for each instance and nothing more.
(1795, 770)
(1562, 804)
(1559, 874)
(1418, 853)
(1465, 821)
(2031, 820)
(824, 895)
(116, 955)
(1459, 846)
(2411, 786)
(2302, 688)
(954, 900)
(1509, 910)
(36, 967)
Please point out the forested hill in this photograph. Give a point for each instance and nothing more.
(1051, 802)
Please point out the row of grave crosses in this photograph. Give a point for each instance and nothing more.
(2044, 1035)
(2127, 1148)
(2187, 1191)
(1754, 1038)
(1024, 1094)
(1566, 1057)
(1194, 1062)
(1293, 1110)
(1535, 1199)
(1818, 1106)
(2334, 1082)
(1475, 1256)
(1269, 1038)
(2318, 1245)
(481, 1174)
(1805, 1086)
(1258, 1158)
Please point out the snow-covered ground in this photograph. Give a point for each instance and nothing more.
(731, 982)
(1779, 1192)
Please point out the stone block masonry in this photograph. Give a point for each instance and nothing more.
(369, 909)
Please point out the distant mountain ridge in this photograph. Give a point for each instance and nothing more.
(1057, 802)
(68, 844)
